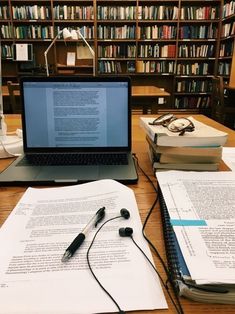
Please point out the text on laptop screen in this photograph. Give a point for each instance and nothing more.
(76, 114)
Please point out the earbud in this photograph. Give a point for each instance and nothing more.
(125, 232)
(125, 213)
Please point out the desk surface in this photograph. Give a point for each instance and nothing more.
(230, 87)
(148, 91)
(5, 91)
(145, 197)
(136, 91)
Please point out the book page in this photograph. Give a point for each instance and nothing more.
(201, 207)
(229, 157)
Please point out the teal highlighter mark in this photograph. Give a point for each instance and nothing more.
(188, 222)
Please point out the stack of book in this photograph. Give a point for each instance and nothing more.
(198, 150)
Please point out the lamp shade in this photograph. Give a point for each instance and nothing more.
(66, 34)
(74, 34)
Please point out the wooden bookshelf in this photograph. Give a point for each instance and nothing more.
(174, 44)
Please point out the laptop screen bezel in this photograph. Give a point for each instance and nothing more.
(75, 79)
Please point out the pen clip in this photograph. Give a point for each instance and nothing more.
(100, 215)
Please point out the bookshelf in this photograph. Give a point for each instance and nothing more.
(226, 39)
(174, 44)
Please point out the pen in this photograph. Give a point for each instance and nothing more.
(77, 242)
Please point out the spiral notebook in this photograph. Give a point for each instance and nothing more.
(179, 273)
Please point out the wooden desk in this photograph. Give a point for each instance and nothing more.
(145, 197)
(5, 91)
(152, 93)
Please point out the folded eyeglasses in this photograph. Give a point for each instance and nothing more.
(173, 124)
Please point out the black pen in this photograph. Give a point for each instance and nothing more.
(77, 242)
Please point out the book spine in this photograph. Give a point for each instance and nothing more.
(149, 131)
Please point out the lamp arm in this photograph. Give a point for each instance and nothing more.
(84, 39)
(1, 98)
(3, 126)
(47, 50)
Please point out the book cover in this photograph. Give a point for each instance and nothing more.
(183, 166)
(180, 159)
(213, 151)
(203, 135)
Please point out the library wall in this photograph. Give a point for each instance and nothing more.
(178, 45)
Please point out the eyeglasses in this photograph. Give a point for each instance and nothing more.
(173, 124)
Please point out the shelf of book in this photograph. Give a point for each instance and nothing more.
(188, 39)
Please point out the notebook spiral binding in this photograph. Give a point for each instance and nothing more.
(170, 245)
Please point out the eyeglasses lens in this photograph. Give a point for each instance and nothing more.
(163, 119)
(178, 125)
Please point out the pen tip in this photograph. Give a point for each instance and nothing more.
(66, 256)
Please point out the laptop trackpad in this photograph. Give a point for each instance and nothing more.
(68, 173)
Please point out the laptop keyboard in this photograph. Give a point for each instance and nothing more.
(74, 159)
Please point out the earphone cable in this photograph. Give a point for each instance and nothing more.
(89, 265)
(179, 309)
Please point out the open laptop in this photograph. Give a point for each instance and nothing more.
(74, 117)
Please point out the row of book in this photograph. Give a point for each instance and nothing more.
(109, 67)
(4, 12)
(198, 32)
(116, 12)
(192, 102)
(156, 32)
(228, 9)
(143, 32)
(199, 13)
(155, 67)
(33, 32)
(112, 12)
(7, 52)
(161, 12)
(6, 31)
(196, 68)
(224, 68)
(192, 86)
(64, 12)
(31, 12)
(197, 150)
(196, 51)
(156, 51)
(117, 51)
(226, 49)
(228, 29)
(116, 32)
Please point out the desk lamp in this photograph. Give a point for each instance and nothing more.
(73, 34)
(10, 146)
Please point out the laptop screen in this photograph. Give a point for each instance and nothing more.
(80, 113)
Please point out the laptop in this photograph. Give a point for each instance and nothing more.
(71, 126)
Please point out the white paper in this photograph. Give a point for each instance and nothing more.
(22, 52)
(202, 211)
(71, 58)
(41, 227)
(228, 156)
